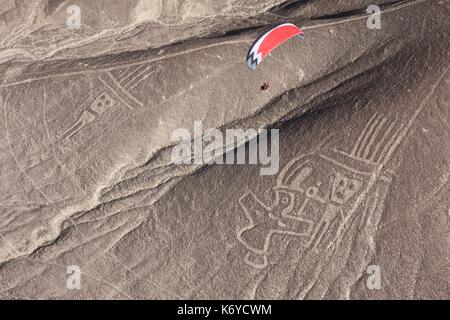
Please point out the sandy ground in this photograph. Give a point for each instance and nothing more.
(87, 180)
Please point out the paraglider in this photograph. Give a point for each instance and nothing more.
(265, 86)
(271, 39)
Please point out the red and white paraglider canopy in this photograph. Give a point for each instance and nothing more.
(270, 40)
